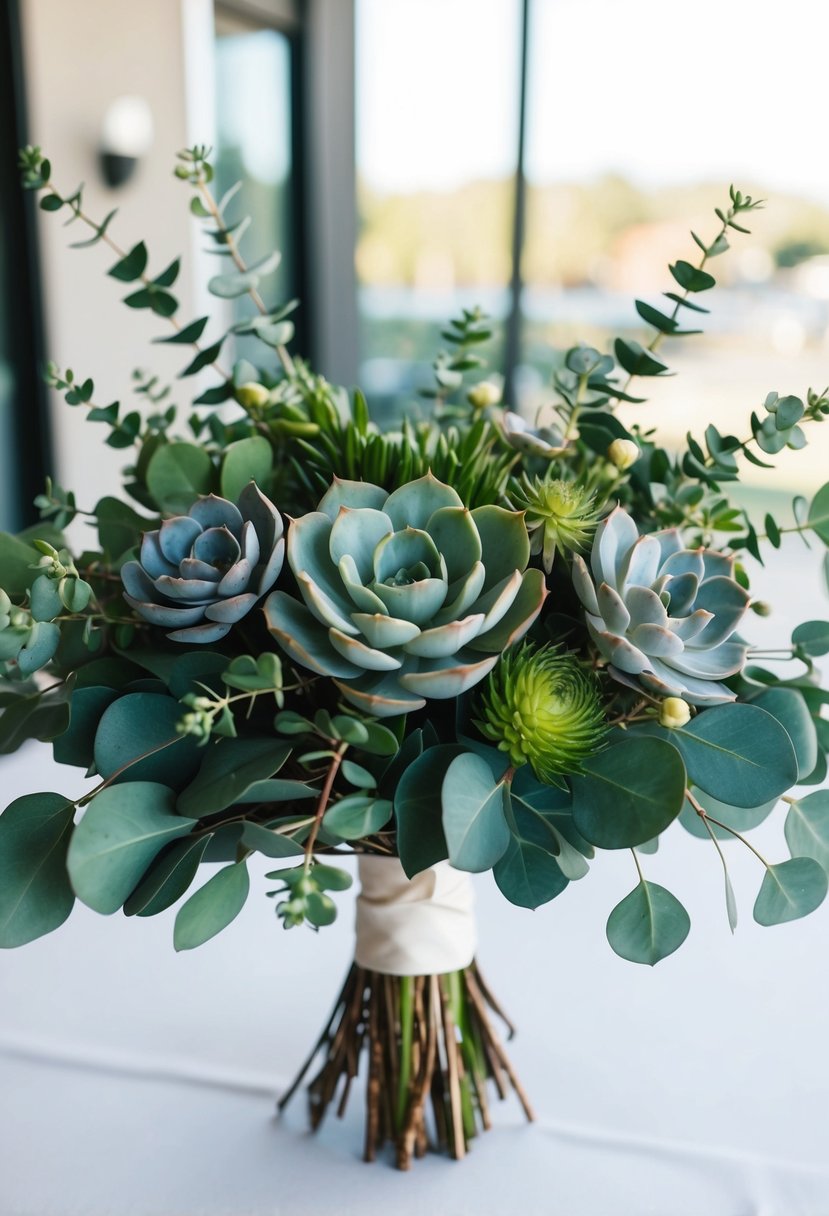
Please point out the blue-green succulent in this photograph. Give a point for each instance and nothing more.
(662, 615)
(200, 573)
(407, 596)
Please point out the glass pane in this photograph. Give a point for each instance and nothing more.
(640, 115)
(253, 145)
(437, 122)
(9, 394)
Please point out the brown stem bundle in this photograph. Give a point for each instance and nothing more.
(431, 1049)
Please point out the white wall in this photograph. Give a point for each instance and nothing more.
(79, 56)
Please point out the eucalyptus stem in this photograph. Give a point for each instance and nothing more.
(322, 804)
(240, 264)
(121, 254)
(706, 818)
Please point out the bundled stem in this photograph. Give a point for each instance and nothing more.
(431, 1049)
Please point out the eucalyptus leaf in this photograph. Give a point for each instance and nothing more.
(357, 816)
(739, 753)
(812, 637)
(819, 513)
(136, 740)
(270, 843)
(246, 460)
(789, 890)
(528, 875)
(417, 808)
(123, 830)
(649, 924)
(473, 814)
(229, 768)
(788, 706)
(168, 877)
(807, 827)
(177, 474)
(35, 894)
(628, 793)
(212, 907)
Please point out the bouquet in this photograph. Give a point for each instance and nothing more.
(476, 642)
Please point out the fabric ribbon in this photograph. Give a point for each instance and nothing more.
(419, 926)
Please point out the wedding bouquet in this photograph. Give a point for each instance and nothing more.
(472, 643)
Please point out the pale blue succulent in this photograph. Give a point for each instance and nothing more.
(200, 573)
(408, 596)
(662, 615)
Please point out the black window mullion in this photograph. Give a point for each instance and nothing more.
(21, 342)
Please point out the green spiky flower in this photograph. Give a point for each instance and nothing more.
(561, 515)
(541, 707)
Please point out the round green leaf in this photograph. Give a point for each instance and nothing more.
(417, 808)
(123, 830)
(177, 474)
(35, 894)
(819, 514)
(528, 875)
(789, 707)
(143, 724)
(320, 909)
(738, 753)
(77, 743)
(270, 843)
(474, 822)
(807, 827)
(246, 460)
(168, 877)
(628, 793)
(789, 890)
(812, 637)
(357, 815)
(228, 770)
(648, 925)
(212, 907)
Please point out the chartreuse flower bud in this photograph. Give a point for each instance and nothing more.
(252, 395)
(623, 453)
(674, 712)
(484, 394)
(560, 515)
(540, 707)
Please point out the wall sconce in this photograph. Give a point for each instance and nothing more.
(126, 136)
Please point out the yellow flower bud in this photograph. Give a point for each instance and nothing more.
(253, 395)
(483, 394)
(674, 712)
(623, 453)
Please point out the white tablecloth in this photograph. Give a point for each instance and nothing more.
(137, 1082)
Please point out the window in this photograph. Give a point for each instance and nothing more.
(638, 117)
(437, 122)
(256, 88)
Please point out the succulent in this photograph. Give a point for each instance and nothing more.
(200, 573)
(545, 441)
(560, 515)
(539, 705)
(662, 615)
(408, 595)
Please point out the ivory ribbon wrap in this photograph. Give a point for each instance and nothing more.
(419, 926)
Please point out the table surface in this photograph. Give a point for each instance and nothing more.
(138, 1082)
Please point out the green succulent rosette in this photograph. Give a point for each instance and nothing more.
(661, 614)
(541, 707)
(407, 596)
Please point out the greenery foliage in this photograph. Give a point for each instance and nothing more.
(229, 704)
